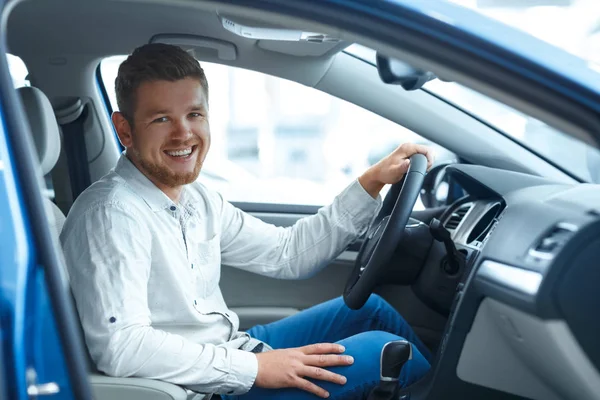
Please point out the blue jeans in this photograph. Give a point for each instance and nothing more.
(362, 332)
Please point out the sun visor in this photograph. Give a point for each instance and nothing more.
(289, 41)
(301, 49)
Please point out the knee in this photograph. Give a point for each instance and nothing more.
(375, 300)
(369, 344)
(376, 304)
(366, 349)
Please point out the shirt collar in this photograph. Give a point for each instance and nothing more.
(155, 198)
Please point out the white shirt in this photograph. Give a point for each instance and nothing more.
(145, 272)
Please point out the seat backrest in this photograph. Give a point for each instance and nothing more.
(46, 136)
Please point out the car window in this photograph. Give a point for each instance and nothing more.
(277, 141)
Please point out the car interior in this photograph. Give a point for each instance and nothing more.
(497, 278)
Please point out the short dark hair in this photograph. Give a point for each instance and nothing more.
(154, 62)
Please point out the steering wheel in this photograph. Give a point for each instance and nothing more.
(383, 236)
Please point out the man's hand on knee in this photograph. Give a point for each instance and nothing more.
(290, 367)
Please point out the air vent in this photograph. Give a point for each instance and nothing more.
(485, 224)
(457, 216)
(549, 245)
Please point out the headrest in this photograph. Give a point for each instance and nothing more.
(44, 127)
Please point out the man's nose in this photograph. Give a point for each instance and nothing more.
(181, 130)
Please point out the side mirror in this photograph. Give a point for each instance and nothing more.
(396, 72)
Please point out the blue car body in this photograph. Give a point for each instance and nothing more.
(37, 318)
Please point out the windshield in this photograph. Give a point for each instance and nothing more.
(572, 25)
(572, 155)
(579, 34)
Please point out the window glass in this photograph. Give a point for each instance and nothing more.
(571, 25)
(574, 156)
(567, 24)
(277, 141)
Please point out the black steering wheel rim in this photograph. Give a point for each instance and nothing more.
(383, 237)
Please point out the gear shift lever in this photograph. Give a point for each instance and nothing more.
(454, 258)
(393, 357)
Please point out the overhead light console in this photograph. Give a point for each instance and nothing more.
(278, 34)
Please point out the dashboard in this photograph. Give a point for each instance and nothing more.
(525, 318)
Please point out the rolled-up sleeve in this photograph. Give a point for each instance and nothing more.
(301, 250)
(108, 255)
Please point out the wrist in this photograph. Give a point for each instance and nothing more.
(370, 183)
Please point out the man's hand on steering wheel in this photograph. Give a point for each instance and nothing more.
(393, 167)
(411, 162)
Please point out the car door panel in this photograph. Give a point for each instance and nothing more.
(260, 300)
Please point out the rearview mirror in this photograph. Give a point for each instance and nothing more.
(396, 72)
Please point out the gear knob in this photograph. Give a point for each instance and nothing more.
(393, 357)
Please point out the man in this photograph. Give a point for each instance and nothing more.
(144, 246)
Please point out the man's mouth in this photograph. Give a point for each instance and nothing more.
(181, 153)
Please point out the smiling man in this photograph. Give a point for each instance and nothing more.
(144, 247)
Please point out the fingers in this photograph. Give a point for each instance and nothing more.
(294, 367)
(401, 169)
(408, 149)
(430, 158)
(311, 388)
(328, 360)
(319, 374)
(427, 152)
(322, 348)
(323, 375)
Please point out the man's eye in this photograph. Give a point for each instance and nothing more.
(161, 119)
(195, 115)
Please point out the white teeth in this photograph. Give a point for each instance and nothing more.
(180, 153)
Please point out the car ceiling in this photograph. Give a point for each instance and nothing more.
(103, 28)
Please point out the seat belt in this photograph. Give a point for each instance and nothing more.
(75, 148)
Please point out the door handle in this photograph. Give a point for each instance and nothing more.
(35, 389)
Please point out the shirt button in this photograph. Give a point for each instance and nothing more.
(195, 302)
(173, 208)
(192, 266)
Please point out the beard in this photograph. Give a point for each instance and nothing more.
(163, 175)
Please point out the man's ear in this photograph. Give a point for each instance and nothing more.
(123, 129)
